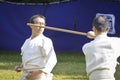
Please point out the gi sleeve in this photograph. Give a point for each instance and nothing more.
(50, 57)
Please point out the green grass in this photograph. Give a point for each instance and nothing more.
(70, 66)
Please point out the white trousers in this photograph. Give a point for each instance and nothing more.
(42, 77)
(101, 75)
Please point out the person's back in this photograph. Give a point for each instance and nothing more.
(101, 54)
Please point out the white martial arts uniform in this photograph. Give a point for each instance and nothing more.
(38, 54)
(101, 57)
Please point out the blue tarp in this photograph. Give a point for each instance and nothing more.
(75, 15)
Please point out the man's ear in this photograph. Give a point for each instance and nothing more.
(95, 30)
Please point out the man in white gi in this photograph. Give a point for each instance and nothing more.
(102, 53)
(38, 55)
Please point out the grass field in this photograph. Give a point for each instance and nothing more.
(70, 66)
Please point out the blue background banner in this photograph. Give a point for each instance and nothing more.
(75, 15)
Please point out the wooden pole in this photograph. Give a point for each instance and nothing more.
(58, 29)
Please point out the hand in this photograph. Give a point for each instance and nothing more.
(18, 68)
(32, 75)
(91, 34)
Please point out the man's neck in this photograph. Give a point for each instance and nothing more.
(34, 35)
(102, 33)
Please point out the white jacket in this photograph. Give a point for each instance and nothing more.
(38, 53)
(102, 53)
